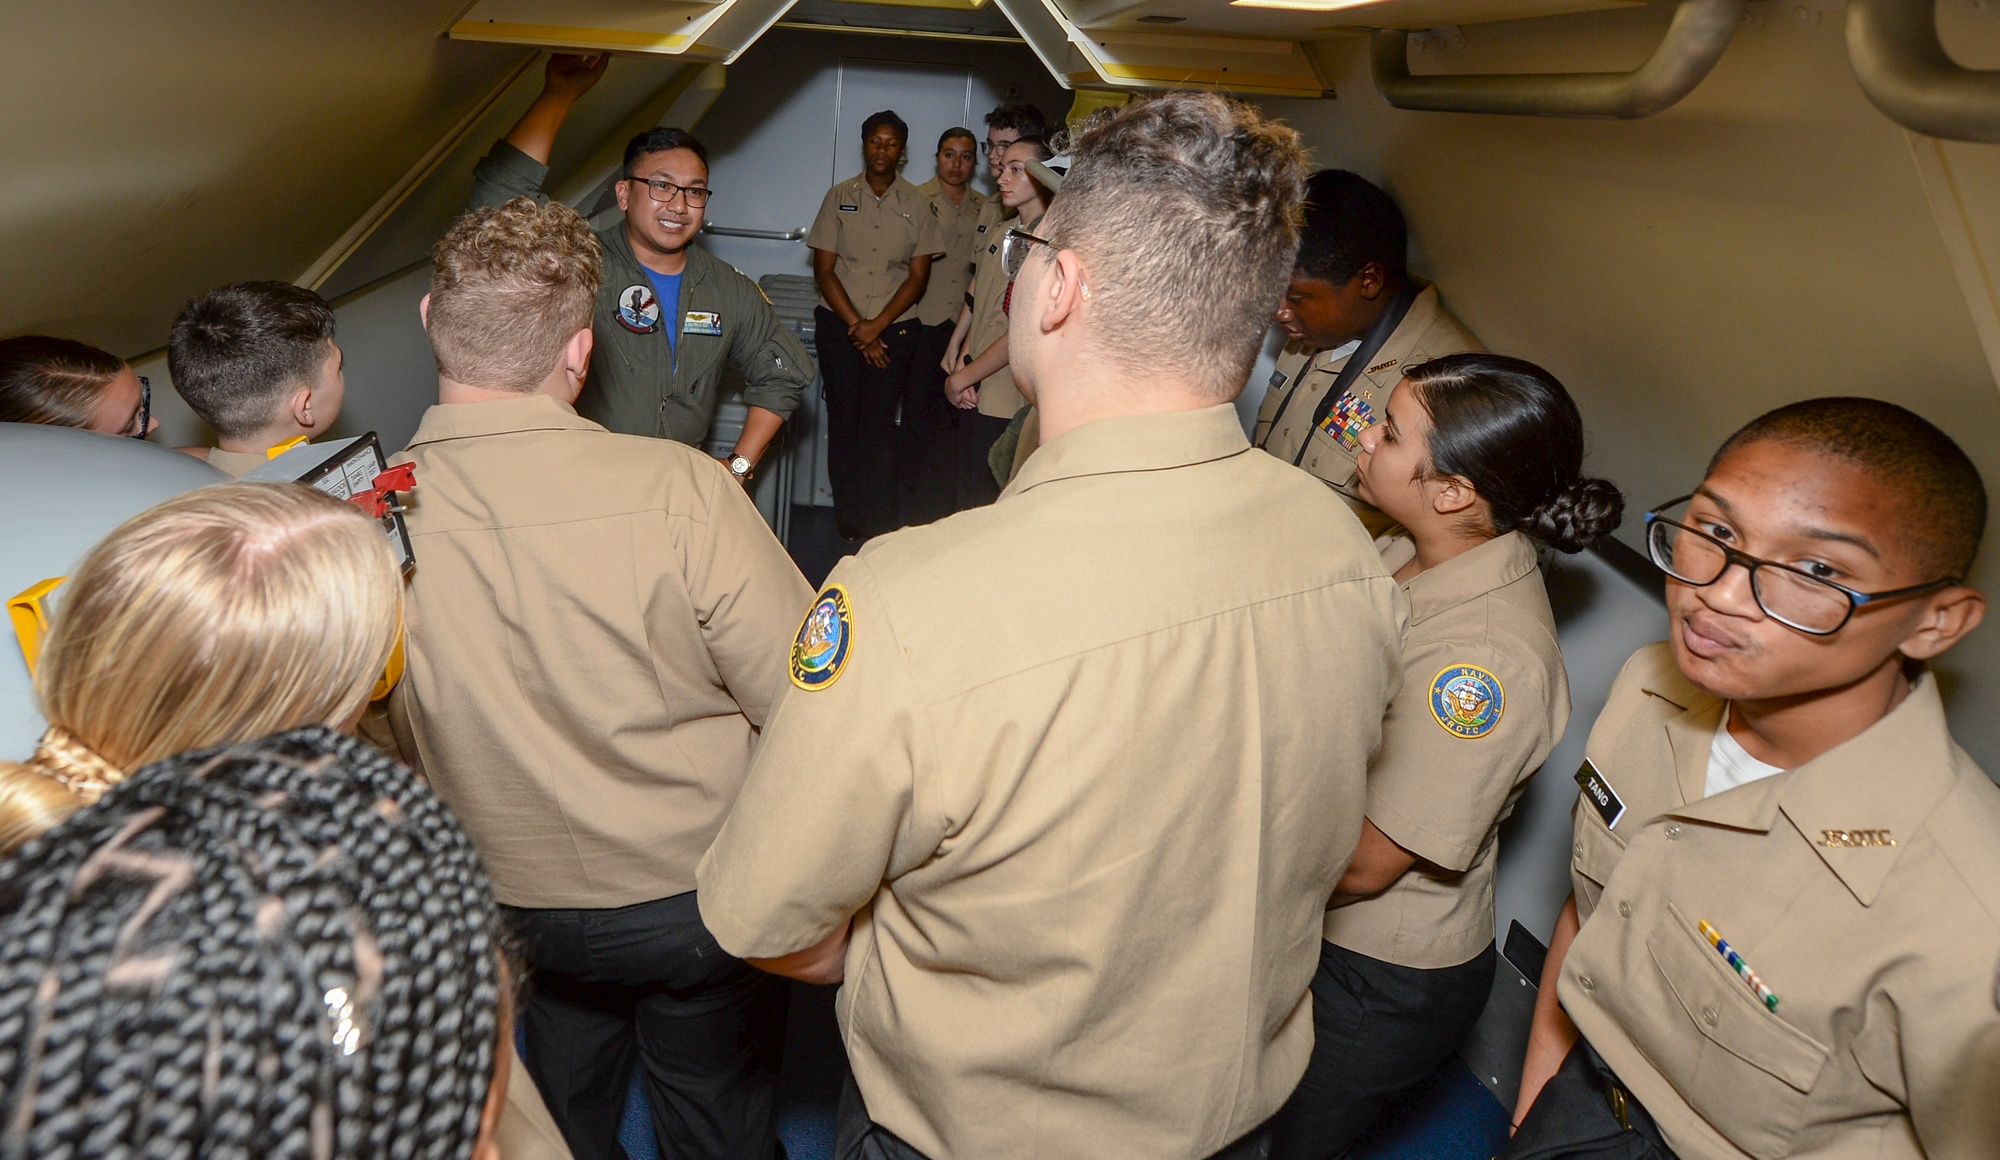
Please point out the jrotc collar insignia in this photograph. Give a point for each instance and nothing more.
(639, 309)
(820, 651)
(1599, 794)
(1349, 416)
(702, 322)
(1467, 700)
(1855, 838)
(982, 229)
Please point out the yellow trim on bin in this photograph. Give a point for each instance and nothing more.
(31, 618)
(391, 672)
(565, 34)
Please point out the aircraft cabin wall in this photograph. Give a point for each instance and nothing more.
(1772, 237)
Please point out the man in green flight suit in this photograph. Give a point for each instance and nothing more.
(669, 316)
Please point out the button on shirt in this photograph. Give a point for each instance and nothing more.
(1862, 887)
(1451, 765)
(873, 239)
(596, 632)
(1090, 824)
(944, 295)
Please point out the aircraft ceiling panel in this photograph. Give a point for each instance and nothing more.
(172, 148)
(1309, 19)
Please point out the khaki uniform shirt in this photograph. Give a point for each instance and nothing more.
(640, 383)
(944, 295)
(1089, 825)
(998, 396)
(1484, 698)
(1328, 450)
(236, 464)
(873, 239)
(1863, 888)
(596, 631)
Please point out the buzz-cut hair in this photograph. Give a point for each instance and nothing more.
(1350, 222)
(1027, 120)
(237, 352)
(1935, 483)
(1185, 211)
(511, 285)
(659, 140)
(885, 117)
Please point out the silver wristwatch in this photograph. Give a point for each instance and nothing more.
(740, 467)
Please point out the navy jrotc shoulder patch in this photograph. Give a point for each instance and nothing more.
(825, 637)
(1467, 700)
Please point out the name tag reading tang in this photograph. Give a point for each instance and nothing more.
(1599, 794)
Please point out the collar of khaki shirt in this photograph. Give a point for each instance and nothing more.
(1469, 575)
(934, 189)
(1151, 442)
(900, 193)
(444, 421)
(1887, 779)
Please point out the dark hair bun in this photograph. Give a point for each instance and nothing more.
(1586, 512)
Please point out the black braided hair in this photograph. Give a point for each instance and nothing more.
(280, 949)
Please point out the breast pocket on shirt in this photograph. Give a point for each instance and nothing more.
(1748, 1072)
(1327, 459)
(1596, 850)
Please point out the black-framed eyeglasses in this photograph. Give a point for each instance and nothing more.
(145, 408)
(1014, 247)
(1791, 596)
(663, 191)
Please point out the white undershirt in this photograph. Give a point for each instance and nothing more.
(1730, 765)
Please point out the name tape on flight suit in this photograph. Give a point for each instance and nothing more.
(702, 322)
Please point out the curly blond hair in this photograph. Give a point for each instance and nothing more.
(510, 287)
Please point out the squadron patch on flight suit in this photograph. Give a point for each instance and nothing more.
(639, 309)
(1467, 700)
(1347, 419)
(820, 651)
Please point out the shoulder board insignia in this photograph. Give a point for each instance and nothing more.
(934, 211)
(1383, 366)
(1277, 379)
(1600, 795)
(825, 637)
(1467, 700)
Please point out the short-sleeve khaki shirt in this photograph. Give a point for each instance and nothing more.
(951, 275)
(596, 630)
(873, 239)
(1863, 889)
(1328, 449)
(1087, 827)
(1484, 698)
(999, 398)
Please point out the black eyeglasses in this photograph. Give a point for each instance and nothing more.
(1791, 596)
(1014, 247)
(663, 191)
(145, 408)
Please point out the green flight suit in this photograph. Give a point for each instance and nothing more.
(639, 383)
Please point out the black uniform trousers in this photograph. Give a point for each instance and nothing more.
(864, 405)
(1379, 1030)
(647, 984)
(1585, 1113)
(927, 474)
(856, 1137)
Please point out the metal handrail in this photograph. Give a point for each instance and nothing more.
(1694, 42)
(767, 235)
(1894, 50)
